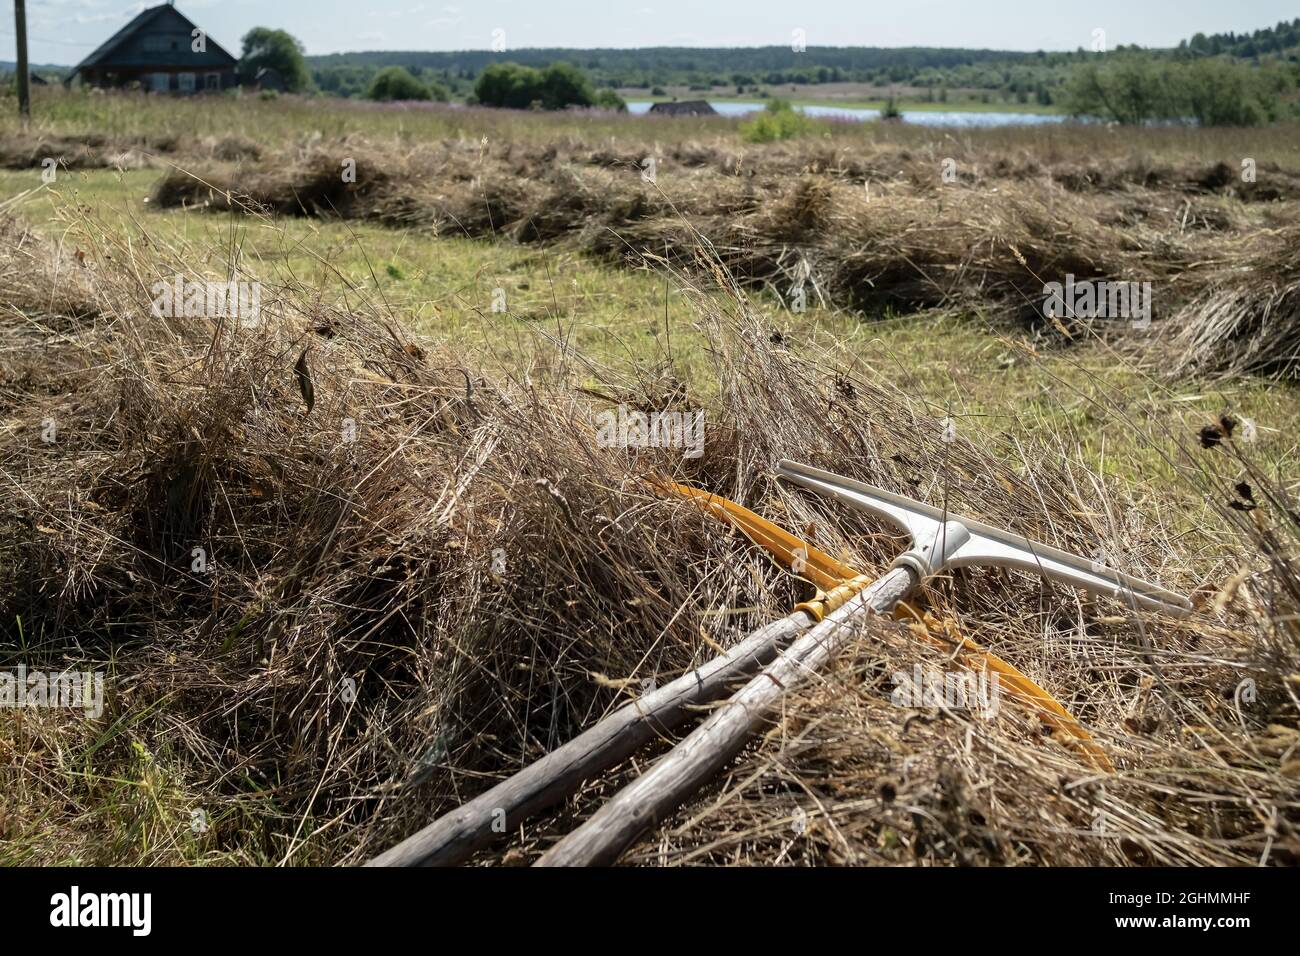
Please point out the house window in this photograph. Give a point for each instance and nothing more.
(212, 81)
(185, 82)
(160, 82)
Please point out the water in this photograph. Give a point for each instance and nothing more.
(856, 114)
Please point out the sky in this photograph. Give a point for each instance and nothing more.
(64, 31)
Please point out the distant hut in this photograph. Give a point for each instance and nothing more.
(684, 108)
(157, 51)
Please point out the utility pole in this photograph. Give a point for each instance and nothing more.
(24, 79)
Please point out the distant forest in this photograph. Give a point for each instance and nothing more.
(1216, 79)
(1025, 77)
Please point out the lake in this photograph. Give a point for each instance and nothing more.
(918, 117)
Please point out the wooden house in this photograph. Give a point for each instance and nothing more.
(160, 50)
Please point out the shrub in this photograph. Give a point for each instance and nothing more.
(562, 85)
(1219, 93)
(609, 100)
(522, 87)
(395, 83)
(1135, 89)
(778, 121)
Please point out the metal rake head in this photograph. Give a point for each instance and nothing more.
(944, 540)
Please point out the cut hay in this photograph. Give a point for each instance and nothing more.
(418, 572)
(1247, 318)
(878, 231)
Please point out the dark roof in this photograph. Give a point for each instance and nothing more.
(154, 18)
(684, 108)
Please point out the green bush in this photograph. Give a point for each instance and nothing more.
(1134, 88)
(778, 121)
(1219, 93)
(563, 84)
(609, 100)
(395, 83)
(522, 87)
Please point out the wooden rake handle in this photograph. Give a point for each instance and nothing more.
(494, 815)
(689, 765)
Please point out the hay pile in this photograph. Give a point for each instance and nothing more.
(419, 574)
(1246, 318)
(32, 149)
(901, 242)
(875, 230)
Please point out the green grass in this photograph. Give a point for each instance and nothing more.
(976, 368)
(121, 803)
(288, 118)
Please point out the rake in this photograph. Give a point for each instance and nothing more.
(940, 540)
(453, 837)
(834, 578)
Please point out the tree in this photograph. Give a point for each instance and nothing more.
(522, 87)
(395, 83)
(1129, 89)
(507, 85)
(562, 85)
(277, 50)
(1136, 88)
(1220, 93)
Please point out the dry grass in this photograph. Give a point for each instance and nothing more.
(873, 231)
(425, 572)
(1247, 318)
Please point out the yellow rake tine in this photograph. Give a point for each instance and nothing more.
(838, 581)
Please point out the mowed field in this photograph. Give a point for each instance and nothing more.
(469, 288)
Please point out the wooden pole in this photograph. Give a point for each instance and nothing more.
(689, 765)
(497, 813)
(24, 78)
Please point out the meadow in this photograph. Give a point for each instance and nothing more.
(484, 284)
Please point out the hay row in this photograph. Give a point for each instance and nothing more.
(370, 555)
(901, 243)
